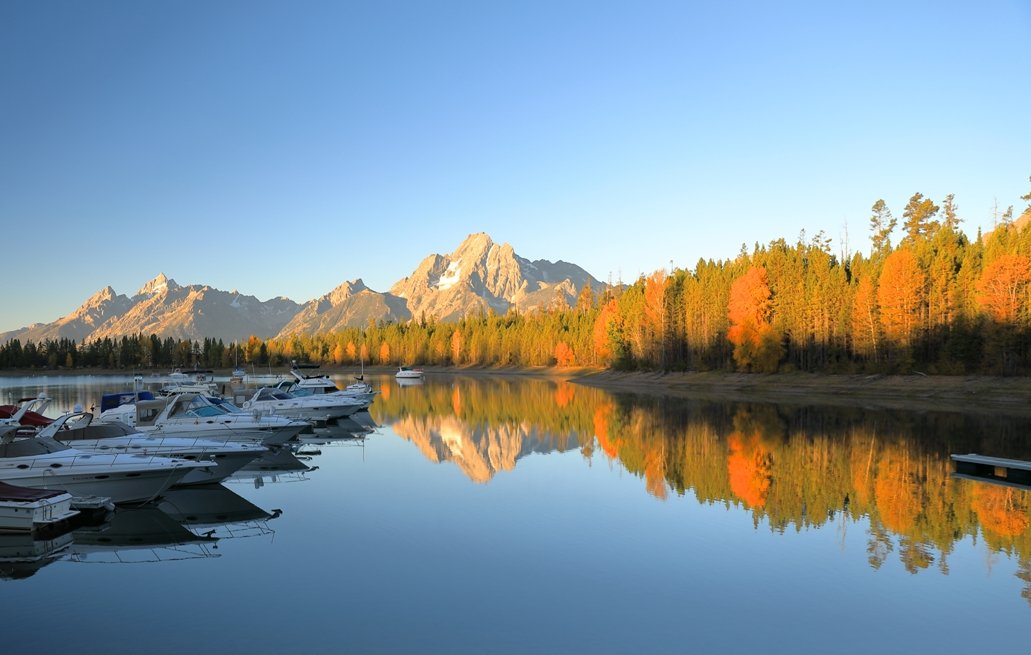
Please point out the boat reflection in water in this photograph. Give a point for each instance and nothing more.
(364, 420)
(343, 432)
(21, 555)
(274, 467)
(138, 535)
(214, 511)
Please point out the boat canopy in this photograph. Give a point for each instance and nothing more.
(112, 400)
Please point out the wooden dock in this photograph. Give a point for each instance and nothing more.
(1009, 472)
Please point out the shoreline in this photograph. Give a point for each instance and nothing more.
(966, 394)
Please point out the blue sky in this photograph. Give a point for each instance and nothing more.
(280, 148)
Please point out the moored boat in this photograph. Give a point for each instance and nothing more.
(23, 509)
(406, 373)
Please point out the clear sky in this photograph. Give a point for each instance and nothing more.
(280, 148)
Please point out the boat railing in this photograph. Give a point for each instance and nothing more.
(141, 555)
(90, 459)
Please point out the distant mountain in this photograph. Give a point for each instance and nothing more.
(481, 274)
(350, 304)
(478, 275)
(166, 309)
(98, 309)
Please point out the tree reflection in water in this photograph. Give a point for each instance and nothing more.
(792, 467)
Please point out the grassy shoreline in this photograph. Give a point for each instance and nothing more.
(1009, 395)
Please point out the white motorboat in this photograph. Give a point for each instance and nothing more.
(405, 373)
(42, 463)
(225, 457)
(269, 400)
(304, 385)
(23, 509)
(197, 416)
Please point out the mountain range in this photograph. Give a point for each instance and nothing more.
(479, 275)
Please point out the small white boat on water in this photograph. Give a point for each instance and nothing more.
(23, 509)
(406, 373)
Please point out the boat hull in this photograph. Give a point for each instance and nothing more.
(127, 485)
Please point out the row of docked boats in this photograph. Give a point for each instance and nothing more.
(141, 444)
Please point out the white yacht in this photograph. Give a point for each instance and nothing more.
(225, 457)
(406, 373)
(42, 463)
(269, 400)
(305, 385)
(198, 416)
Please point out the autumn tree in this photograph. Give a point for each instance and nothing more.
(600, 340)
(756, 346)
(564, 355)
(1003, 288)
(456, 346)
(654, 323)
(900, 296)
(865, 321)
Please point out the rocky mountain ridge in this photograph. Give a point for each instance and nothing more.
(479, 275)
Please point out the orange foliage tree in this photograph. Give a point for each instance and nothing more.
(756, 344)
(865, 324)
(653, 321)
(456, 346)
(564, 355)
(1003, 288)
(900, 296)
(600, 333)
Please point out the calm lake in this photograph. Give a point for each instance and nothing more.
(512, 515)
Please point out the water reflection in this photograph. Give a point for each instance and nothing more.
(22, 555)
(790, 467)
(276, 466)
(216, 512)
(138, 535)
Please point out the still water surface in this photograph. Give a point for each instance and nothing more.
(509, 515)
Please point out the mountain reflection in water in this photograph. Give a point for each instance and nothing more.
(792, 467)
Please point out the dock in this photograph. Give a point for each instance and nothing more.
(1008, 472)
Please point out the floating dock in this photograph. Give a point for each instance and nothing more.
(1009, 472)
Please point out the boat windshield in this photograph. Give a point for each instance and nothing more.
(225, 405)
(205, 412)
(31, 447)
(273, 394)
